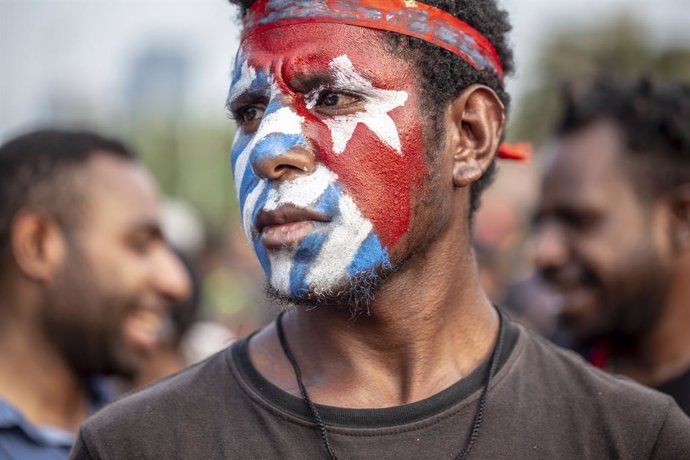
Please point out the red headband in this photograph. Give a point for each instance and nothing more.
(407, 17)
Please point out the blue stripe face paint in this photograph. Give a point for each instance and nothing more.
(371, 252)
(303, 261)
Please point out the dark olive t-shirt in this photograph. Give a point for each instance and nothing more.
(544, 403)
(679, 389)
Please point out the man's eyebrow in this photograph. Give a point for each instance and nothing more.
(149, 227)
(304, 83)
(258, 86)
(241, 99)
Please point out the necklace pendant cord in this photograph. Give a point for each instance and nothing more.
(479, 415)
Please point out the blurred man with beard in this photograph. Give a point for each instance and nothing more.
(366, 131)
(613, 229)
(85, 282)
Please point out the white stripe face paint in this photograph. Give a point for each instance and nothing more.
(247, 75)
(349, 232)
(303, 191)
(249, 207)
(282, 262)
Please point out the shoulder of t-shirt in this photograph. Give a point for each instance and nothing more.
(570, 369)
(566, 379)
(673, 440)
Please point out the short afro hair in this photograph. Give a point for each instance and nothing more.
(653, 117)
(32, 168)
(444, 75)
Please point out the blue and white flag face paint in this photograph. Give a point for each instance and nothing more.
(336, 251)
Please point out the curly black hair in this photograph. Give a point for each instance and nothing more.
(653, 117)
(444, 75)
(31, 173)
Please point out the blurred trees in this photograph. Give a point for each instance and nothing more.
(621, 46)
(191, 161)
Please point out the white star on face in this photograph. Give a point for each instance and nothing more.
(375, 114)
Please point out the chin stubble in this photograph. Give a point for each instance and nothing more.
(356, 296)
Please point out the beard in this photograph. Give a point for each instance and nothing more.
(638, 305)
(630, 306)
(83, 321)
(356, 295)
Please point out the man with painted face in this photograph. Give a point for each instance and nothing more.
(86, 282)
(366, 130)
(613, 229)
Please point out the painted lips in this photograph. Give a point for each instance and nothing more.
(287, 225)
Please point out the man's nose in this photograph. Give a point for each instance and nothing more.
(277, 161)
(171, 278)
(550, 248)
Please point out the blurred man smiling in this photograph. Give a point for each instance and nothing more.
(613, 229)
(85, 280)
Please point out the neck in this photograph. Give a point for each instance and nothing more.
(165, 361)
(430, 325)
(37, 381)
(664, 353)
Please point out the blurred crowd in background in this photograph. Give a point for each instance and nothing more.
(157, 78)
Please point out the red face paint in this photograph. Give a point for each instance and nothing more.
(380, 178)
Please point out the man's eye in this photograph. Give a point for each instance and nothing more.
(580, 220)
(249, 114)
(140, 244)
(336, 100)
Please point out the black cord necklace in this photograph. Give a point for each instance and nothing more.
(474, 434)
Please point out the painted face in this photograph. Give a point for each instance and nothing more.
(328, 153)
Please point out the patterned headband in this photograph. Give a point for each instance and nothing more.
(406, 17)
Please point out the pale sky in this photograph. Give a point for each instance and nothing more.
(83, 50)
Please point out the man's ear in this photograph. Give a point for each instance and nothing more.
(476, 119)
(38, 244)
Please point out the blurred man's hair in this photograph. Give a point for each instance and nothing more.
(654, 122)
(444, 75)
(35, 172)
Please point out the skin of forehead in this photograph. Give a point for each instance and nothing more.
(286, 53)
(587, 165)
(135, 188)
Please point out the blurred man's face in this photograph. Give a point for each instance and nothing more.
(111, 297)
(594, 238)
(328, 155)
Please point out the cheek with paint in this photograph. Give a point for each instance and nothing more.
(377, 153)
(279, 131)
(361, 181)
